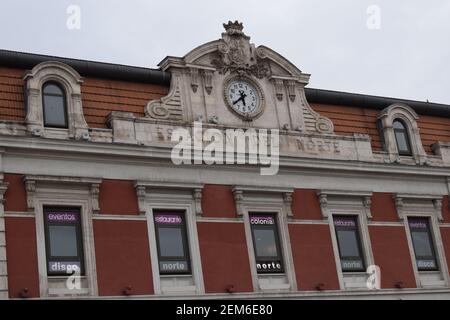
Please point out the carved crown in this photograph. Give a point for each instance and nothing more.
(234, 28)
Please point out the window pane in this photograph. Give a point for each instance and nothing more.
(348, 243)
(54, 110)
(422, 244)
(63, 241)
(402, 141)
(170, 242)
(399, 125)
(52, 89)
(265, 243)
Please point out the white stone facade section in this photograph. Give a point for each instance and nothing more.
(3, 260)
(349, 203)
(428, 206)
(178, 196)
(71, 82)
(43, 190)
(268, 200)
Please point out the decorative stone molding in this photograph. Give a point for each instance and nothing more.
(238, 199)
(434, 200)
(242, 195)
(208, 79)
(279, 88)
(194, 79)
(236, 54)
(30, 187)
(291, 86)
(410, 118)
(71, 82)
(323, 200)
(144, 187)
(437, 203)
(169, 107)
(442, 149)
(31, 183)
(197, 193)
(287, 197)
(365, 202)
(95, 192)
(141, 193)
(399, 205)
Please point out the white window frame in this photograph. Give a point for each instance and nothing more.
(70, 81)
(425, 206)
(354, 204)
(277, 201)
(156, 196)
(46, 191)
(409, 117)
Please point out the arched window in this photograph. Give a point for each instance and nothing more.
(402, 138)
(54, 105)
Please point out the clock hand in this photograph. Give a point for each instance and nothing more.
(238, 100)
(243, 96)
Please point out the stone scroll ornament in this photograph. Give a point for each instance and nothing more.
(236, 54)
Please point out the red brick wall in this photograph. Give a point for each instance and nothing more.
(122, 257)
(21, 252)
(391, 254)
(15, 196)
(218, 201)
(314, 262)
(305, 205)
(446, 209)
(118, 197)
(383, 207)
(445, 234)
(224, 255)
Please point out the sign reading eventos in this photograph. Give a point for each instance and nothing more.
(62, 217)
(168, 219)
(263, 220)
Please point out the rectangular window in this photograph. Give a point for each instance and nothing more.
(63, 241)
(423, 244)
(172, 243)
(349, 243)
(266, 243)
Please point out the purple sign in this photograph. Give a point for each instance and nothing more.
(263, 220)
(344, 222)
(418, 224)
(168, 219)
(62, 216)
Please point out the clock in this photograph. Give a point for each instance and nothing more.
(244, 97)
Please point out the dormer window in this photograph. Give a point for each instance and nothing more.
(400, 134)
(54, 105)
(402, 138)
(53, 102)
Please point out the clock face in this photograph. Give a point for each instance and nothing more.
(243, 97)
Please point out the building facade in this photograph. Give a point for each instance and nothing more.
(95, 204)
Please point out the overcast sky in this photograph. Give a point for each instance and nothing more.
(405, 53)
